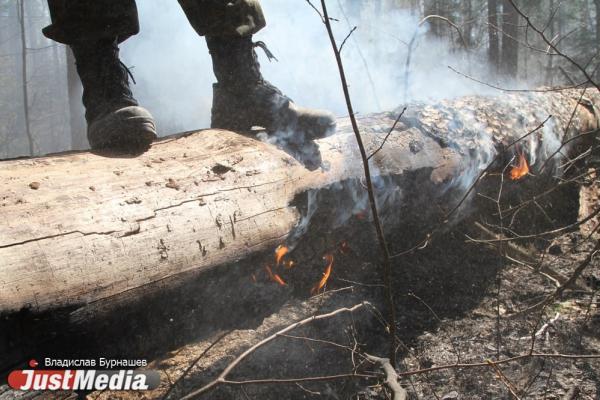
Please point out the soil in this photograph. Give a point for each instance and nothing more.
(456, 301)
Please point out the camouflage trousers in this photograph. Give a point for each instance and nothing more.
(82, 20)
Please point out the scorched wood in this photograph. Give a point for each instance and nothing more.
(80, 227)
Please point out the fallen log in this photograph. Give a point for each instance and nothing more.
(81, 227)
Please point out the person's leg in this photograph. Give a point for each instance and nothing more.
(93, 29)
(241, 97)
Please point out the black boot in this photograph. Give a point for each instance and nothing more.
(243, 99)
(115, 121)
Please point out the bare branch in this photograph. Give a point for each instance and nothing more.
(221, 379)
(189, 368)
(574, 86)
(391, 377)
(387, 268)
(553, 46)
(509, 385)
(388, 134)
(346, 38)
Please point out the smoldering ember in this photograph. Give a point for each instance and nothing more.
(419, 222)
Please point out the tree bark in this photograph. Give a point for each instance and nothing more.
(82, 227)
(24, 77)
(510, 46)
(469, 23)
(493, 37)
(77, 122)
(597, 3)
(432, 7)
(550, 60)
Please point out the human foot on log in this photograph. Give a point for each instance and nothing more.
(242, 99)
(115, 120)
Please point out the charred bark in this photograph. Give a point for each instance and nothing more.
(83, 227)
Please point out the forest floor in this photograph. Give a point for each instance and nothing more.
(456, 302)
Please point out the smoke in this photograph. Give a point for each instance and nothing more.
(174, 75)
(171, 66)
(390, 60)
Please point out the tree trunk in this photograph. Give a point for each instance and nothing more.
(432, 7)
(597, 3)
(510, 45)
(469, 23)
(84, 227)
(550, 60)
(24, 76)
(77, 122)
(493, 37)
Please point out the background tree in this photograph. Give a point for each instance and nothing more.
(21, 6)
(493, 37)
(510, 37)
(43, 71)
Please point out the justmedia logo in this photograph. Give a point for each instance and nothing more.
(77, 379)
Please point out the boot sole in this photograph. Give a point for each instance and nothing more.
(130, 129)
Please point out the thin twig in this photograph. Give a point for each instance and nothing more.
(558, 293)
(499, 362)
(346, 38)
(558, 89)
(543, 329)
(295, 380)
(447, 20)
(564, 143)
(489, 166)
(553, 46)
(387, 268)
(456, 351)
(221, 379)
(189, 368)
(391, 377)
(388, 134)
(509, 385)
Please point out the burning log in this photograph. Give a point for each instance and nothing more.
(82, 227)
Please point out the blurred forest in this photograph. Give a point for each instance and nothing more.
(40, 110)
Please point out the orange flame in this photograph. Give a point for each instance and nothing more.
(289, 264)
(521, 169)
(280, 251)
(278, 279)
(361, 215)
(275, 277)
(326, 274)
(344, 247)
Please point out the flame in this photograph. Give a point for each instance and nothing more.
(278, 279)
(253, 277)
(289, 264)
(344, 247)
(274, 277)
(361, 215)
(521, 169)
(280, 251)
(326, 274)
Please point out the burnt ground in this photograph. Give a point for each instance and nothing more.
(456, 301)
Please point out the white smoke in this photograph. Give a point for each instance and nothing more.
(174, 71)
(171, 66)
